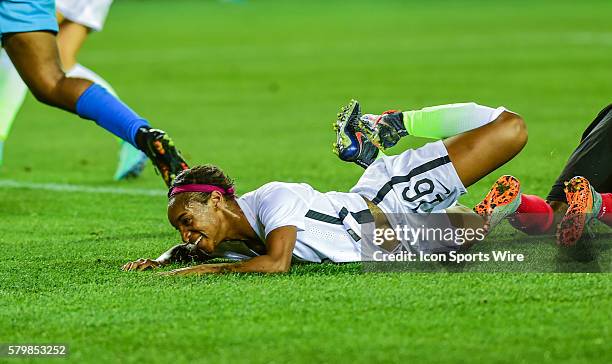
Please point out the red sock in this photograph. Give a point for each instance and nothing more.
(534, 216)
(605, 214)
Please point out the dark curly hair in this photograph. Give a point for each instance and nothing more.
(207, 174)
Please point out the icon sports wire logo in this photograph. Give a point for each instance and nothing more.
(450, 257)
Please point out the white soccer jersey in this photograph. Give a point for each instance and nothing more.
(90, 13)
(333, 225)
(328, 223)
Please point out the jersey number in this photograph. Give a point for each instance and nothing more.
(421, 189)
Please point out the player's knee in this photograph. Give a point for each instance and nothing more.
(515, 131)
(520, 131)
(42, 94)
(45, 89)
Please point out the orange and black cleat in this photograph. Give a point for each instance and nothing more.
(581, 200)
(160, 149)
(502, 200)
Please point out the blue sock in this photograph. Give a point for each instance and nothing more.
(97, 104)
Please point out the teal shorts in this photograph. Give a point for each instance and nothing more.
(20, 16)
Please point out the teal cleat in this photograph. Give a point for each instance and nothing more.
(131, 162)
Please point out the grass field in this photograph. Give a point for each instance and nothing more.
(253, 87)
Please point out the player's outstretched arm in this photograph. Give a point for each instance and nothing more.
(280, 243)
(182, 253)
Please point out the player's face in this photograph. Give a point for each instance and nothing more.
(197, 223)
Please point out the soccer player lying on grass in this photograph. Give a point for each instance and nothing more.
(581, 194)
(28, 31)
(280, 221)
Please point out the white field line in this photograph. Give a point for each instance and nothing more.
(59, 187)
(597, 38)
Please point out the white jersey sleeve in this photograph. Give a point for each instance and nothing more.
(274, 205)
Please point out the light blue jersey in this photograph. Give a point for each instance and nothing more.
(20, 16)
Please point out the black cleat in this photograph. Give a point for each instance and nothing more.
(160, 149)
(384, 130)
(351, 144)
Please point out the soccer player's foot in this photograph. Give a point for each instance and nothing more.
(131, 162)
(384, 130)
(351, 143)
(158, 146)
(583, 204)
(502, 200)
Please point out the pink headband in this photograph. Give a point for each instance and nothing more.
(200, 188)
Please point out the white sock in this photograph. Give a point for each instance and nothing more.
(80, 71)
(12, 94)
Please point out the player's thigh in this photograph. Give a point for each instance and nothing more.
(36, 58)
(478, 152)
(70, 39)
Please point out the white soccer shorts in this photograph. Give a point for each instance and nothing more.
(419, 180)
(411, 185)
(90, 13)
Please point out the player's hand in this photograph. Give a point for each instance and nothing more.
(141, 264)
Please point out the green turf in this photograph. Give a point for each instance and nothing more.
(253, 86)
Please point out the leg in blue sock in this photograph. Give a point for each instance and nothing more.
(97, 104)
(36, 58)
